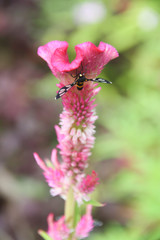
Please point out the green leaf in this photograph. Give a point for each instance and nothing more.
(94, 203)
(44, 235)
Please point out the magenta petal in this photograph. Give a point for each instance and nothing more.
(94, 58)
(55, 54)
(109, 52)
(61, 63)
(48, 50)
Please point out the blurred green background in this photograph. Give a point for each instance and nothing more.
(127, 150)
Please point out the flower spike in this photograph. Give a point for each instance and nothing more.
(75, 133)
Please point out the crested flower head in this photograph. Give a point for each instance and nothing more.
(75, 135)
(89, 58)
(76, 131)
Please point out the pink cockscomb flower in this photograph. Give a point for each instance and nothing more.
(75, 134)
(76, 131)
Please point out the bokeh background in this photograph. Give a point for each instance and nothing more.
(127, 150)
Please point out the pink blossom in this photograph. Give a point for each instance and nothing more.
(57, 230)
(76, 132)
(77, 120)
(85, 225)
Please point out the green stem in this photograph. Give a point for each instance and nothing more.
(70, 208)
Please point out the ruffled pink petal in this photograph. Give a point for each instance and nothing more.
(61, 63)
(52, 48)
(95, 58)
(109, 52)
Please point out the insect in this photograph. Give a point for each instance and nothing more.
(79, 82)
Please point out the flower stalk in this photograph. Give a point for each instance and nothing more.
(75, 133)
(69, 210)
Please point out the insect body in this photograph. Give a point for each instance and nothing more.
(79, 82)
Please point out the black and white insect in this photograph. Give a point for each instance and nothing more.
(79, 82)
